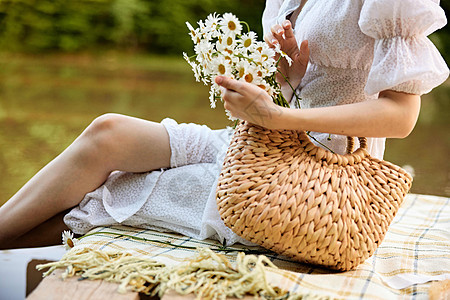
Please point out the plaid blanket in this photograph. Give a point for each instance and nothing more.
(416, 251)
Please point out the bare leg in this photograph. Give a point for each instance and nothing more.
(111, 142)
(45, 234)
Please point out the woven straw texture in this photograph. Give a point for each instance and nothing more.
(279, 190)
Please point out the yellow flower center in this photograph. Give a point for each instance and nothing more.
(241, 72)
(231, 25)
(247, 43)
(221, 69)
(70, 243)
(248, 78)
(264, 57)
(229, 41)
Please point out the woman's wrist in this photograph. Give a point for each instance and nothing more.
(286, 118)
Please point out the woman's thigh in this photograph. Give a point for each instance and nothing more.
(128, 144)
(135, 145)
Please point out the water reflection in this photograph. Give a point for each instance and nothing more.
(46, 101)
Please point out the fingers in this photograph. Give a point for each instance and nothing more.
(275, 36)
(288, 31)
(279, 33)
(304, 53)
(228, 83)
(270, 40)
(229, 90)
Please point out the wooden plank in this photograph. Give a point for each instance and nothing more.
(34, 277)
(440, 290)
(53, 287)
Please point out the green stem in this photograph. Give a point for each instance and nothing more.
(279, 98)
(292, 88)
(247, 58)
(236, 122)
(246, 24)
(317, 141)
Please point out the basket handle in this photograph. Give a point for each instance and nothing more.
(351, 143)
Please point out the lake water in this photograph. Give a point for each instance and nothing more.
(46, 101)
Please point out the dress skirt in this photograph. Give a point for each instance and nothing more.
(178, 199)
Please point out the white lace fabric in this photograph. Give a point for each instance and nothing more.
(404, 59)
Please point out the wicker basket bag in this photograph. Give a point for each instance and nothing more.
(277, 189)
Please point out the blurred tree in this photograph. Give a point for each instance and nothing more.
(442, 37)
(71, 25)
(150, 25)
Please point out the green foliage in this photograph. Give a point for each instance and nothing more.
(150, 25)
(442, 37)
(71, 25)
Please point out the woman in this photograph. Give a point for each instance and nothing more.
(360, 70)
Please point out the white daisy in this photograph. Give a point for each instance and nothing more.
(271, 90)
(212, 23)
(226, 43)
(220, 66)
(250, 75)
(230, 24)
(68, 240)
(283, 54)
(262, 83)
(266, 70)
(194, 33)
(201, 25)
(204, 51)
(214, 94)
(263, 55)
(195, 68)
(204, 32)
(230, 117)
(241, 67)
(248, 40)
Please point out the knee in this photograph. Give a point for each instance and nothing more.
(106, 124)
(102, 136)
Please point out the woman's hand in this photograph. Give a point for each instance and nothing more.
(283, 35)
(249, 102)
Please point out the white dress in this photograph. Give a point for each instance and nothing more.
(357, 49)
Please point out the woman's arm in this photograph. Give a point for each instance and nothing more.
(393, 115)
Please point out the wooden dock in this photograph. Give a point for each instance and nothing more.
(53, 287)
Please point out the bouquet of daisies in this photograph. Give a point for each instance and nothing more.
(222, 48)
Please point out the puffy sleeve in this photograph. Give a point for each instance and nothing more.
(405, 60)
(270, 14)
